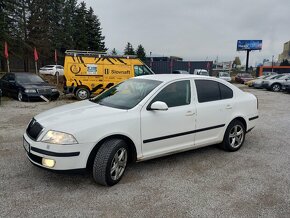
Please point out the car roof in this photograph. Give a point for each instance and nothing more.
(171, 77)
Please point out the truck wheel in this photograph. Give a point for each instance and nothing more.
(110, 162)
(82, 93)
(234, 136)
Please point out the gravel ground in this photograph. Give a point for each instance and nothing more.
(207, 182)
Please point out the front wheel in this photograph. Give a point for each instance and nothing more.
(110, 162)
(234, 136)
(20, 96)
(82, 93)
(276, 87)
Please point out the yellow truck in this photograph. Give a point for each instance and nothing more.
(90, 72)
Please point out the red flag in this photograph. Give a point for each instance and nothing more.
(6, 50)
(55, 56)
(208, 66)
(35, 55)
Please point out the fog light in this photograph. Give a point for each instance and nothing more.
(48, 162)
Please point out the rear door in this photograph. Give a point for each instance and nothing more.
(214, 111)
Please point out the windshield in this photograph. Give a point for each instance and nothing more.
(204, 73)
(127, 94)
(49, 66)
(277, 76)
(28, 78)
(224, 74)
(247, 75)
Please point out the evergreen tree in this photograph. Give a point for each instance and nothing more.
(129, 50)
(114, 52)
(94, 32)
(285, 62)
(80, 35)
(140, 52)
(47, 25)
(68, 28)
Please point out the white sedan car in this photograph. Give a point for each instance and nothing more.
(55, 70)
(141, 118)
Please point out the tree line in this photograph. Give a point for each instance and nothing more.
(48, 26)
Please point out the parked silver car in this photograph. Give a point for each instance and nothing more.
(286, 86)
(259, 81)
(276, 84)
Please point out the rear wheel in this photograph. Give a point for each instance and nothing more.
(276, 87)
(234, 136)
(82, 93)
(110, 162)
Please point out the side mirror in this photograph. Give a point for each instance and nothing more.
(159, 105)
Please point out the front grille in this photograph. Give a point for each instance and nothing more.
(44, 91)
(33, 130)
(35, 158)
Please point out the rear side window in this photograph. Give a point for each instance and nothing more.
(208, 90)
(226, 92)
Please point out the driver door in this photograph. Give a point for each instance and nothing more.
(169, 130)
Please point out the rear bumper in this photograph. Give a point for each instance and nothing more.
(69, 89)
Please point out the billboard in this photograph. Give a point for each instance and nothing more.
(249, 45)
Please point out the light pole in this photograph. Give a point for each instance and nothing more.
(272, 63)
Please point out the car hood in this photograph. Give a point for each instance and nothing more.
(73, 117)
(36, 86)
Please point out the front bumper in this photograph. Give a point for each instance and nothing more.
(66, 157)
(36, 96)
(286, 88)
(265, 85)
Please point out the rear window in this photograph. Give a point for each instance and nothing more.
(208, 90)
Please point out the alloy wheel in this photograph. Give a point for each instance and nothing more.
(118, 164)
(236, 136)
(20, 97)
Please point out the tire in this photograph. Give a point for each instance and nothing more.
(82, 93)
(110, 162)
(234, 136)
(276, 87)
(20, 96)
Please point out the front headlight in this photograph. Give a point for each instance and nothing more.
(54, 90)
(61, 138)
(30, 91)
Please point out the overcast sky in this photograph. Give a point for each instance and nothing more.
(195, 29)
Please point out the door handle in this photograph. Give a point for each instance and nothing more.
(189, 113)
(229, 106)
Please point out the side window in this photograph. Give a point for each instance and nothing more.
(5, 77)
(140, 70)
(175, 94)
(226, 92)
(207, 90)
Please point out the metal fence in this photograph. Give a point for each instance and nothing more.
(165, 67)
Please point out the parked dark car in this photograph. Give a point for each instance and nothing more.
(27, 86)
(243, 77)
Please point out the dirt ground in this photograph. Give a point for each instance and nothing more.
(207, 182)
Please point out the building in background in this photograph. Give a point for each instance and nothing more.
(286, 52)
